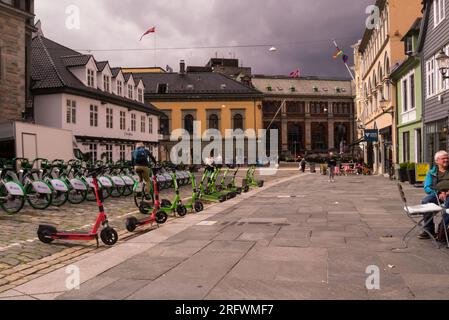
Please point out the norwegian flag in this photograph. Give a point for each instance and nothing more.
(151, 30)
(295, 74)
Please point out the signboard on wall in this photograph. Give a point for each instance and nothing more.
(371, 135)
(421, 171)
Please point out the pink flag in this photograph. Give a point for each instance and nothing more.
(151, 30)
(295, 74)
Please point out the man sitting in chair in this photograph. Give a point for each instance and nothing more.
(437, 186)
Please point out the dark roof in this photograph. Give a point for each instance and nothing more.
(198, 69)
(115, 71)
(101, 65)
(76, 60)
(50, 74)
(196, 85)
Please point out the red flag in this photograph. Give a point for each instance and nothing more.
(151, 30)
(295, 74)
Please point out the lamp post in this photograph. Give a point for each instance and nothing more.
(443, 63)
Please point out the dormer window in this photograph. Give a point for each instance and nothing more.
(337, 89)
(91, 78)
(162, 88)
(130, 91)
(107, 83)
(409, 46)
(316, 89)
(292, 89)
(190, 87)
(269, 88)
(223, 86)
(140, 95)
(120, 88)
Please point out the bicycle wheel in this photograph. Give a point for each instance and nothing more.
(59, 198)
(116, 191)
(37, 200)
(10, 204)
(77, 196)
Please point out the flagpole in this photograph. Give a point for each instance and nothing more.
(155, 35)
(346, 64)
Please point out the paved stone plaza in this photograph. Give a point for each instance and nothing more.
(302, 238)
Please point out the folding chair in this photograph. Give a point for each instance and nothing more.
(416, 215)
(442, 218)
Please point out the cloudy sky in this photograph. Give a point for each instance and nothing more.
(301, 30)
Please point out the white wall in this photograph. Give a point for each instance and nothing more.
(51, 143)
(48, 111)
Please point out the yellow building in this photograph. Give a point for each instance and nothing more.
(215, 100)
(379, 51)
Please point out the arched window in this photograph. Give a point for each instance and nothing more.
(238, 121)
(188, 123)
(213, 121)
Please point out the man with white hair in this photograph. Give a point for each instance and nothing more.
(437, 188)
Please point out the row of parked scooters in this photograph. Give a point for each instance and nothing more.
(42, 183)
(213, 187)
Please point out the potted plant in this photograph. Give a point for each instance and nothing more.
(403, 172)
(411, 173)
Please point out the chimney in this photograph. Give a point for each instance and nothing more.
(182, 67)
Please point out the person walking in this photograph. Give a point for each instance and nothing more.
(142, 159)
(331, 164)
(302, 165)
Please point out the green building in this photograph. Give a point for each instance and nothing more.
(408, 79)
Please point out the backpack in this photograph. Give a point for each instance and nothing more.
(140, 156)
(441, 235)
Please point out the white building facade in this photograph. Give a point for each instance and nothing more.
(103, 107)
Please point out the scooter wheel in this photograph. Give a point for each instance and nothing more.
(260, 184)
(144, 208)
(109, 236)
(219, 188)
(239, 190)
(246, 189)
(161, 217)
(165, 203)
(198, 206)
(222, 199)
(45, 232)
(182, 211)
(131, 224)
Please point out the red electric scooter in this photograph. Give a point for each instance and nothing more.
(47, 234)
(158, 216)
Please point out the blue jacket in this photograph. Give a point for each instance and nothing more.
(431, 180)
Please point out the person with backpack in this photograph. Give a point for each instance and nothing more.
(142, 159)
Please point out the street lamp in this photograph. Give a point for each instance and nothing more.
(384, 106)
(443, 63)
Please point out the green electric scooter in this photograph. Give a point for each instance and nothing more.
(214, 188)
(206, 193)
(175, 207)
(251, 180)
(194, 203)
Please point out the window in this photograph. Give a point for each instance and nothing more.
(1, 64)
(120, 88)
(122, 120)
(165, 125)
(238, 122)
(71, 111)
(142, 124)
(93, 152)
(130, 91)
(406, 146)
(133, 122)
(109, 118)
(412, 91)
(108, 153)
(418, 146)
(404, 95)
(93, 116)
(122, 153)
(188, 123)
(162, 88)
(430, 78)
(150, 125)
(213, 121)
(107, 83)
(90, 78)
(439, 11)
(140, 95)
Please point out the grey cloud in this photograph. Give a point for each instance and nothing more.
(109, 24)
